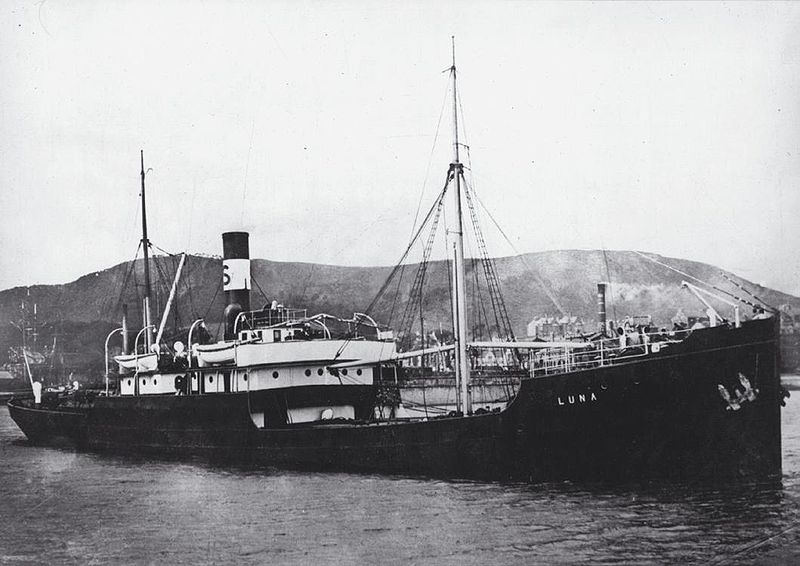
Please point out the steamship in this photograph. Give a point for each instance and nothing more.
(287, 389)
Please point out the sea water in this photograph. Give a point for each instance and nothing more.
(59, 507)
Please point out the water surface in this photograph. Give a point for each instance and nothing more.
(60, 507)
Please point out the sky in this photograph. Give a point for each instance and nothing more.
(319, 127)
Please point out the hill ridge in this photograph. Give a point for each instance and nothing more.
(91, 304)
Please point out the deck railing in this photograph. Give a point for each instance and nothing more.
(606, 351)
(270, 317)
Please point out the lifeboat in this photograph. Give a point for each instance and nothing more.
(215, 354)
(140, 362)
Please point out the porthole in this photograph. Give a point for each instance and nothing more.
(344, 372)
(308, 372)
(245, 377)
(129, 382)
(211, 379)
(275, 374)
(144, 382)
(155, 382)
(320, 371)
(359, 372)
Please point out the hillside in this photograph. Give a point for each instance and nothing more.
(90, 306)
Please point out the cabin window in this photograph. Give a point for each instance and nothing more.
(275, 374)
(320, 371)
(344, 371)
(276, 335)
(359, 372)
(308, 372)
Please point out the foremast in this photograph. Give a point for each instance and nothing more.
(146, 249)
(460, 314)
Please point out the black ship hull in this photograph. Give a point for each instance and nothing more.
(790, 352)
(660, 415)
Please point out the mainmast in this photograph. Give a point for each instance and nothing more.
(460, 316)
(146, 247)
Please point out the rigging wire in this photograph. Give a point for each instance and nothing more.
(176, 308)
(191, 212)
(534, 272)
(478, 305)
(139, 306)
(162, 250)
(539, 280)
(430, 157)
(247, 168)
(610, 295)
(502, 320)
(190, 269)
(496, 298)
(130, 268)
(109, 305)
(422, 356)
(211, 303)
(693, 278)
(478, 298)
(306, 281)
(397, 266)
(756, 297)
(263, 294)
(163, 282)
(396, 295)
(421, 195)
(419, 280)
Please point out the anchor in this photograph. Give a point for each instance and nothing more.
(747, 393)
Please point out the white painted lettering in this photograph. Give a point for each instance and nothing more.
(579, 398)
